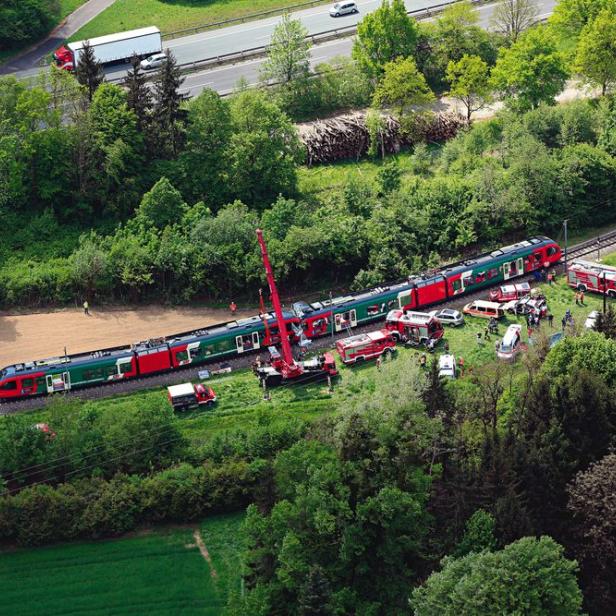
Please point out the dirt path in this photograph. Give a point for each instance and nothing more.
(38, 336)
(204, 552)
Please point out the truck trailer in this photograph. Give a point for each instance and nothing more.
(112, 48)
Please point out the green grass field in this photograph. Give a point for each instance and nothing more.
(161, 572)
(174, 15)
(240, 403)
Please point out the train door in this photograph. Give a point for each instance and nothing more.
(247, 342)
(406, 299)
(459, 286)
(192, 349)
(345, 320)
(58, 382)
(123, 366)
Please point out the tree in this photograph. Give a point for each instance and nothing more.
(315, 594)
(264, 149)
(167, 113)
(478, 534)
(531, 71)
(89, 71)
(383, 36)
(402, 87)
(606, 323)
(595, 57)
(288, 54)
(570, 16)
(138, 95)
(162, 205)
(205, 159)
(512, 17)
(593, 505)
(470, 83)
(22, 21)
(529, 576)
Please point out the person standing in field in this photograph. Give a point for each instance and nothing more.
(86, 308)
(233, 307)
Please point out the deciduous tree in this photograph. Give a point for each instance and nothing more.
(529, 576)
(384, 36)
(595, 57)
(531, 71)
(288, 54)
(512, 17)
(470, 83)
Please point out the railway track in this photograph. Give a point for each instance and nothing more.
(594, 247)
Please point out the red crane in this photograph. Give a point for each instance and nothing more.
(284, 367)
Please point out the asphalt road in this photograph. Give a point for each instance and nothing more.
(258, 33)
(224, 78)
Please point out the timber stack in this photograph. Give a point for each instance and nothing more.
(347, 136)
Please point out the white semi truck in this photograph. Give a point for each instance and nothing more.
(112, 48)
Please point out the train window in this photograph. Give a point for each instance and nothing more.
(125, 367)
(110, 370)
(493, 273)
(27, 382)
(538, 257)
(9, 386)
(480, 277)
(456, 285)
(182, 355)
(88, 375)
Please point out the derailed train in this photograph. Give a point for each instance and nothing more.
(241, 336)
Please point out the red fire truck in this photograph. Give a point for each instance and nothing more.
(413, 327)
(365, 346)
(590, 276)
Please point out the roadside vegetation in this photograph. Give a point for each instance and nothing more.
(23, 22)
(173, 16)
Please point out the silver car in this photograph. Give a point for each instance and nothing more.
(343, 8)
(447, 316)
(153, 62)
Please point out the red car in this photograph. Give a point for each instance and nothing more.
(507, 292)
(365, 346)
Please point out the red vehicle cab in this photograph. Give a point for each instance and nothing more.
(590, 276)
(365, 346)
(187, 395)
(508, 292)
(413, 327)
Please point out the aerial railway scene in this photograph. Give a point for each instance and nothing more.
(307, 309)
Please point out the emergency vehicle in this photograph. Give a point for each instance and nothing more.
(187, 395)
(365, 346)
(590, 276)
(511, 344)
(508, 292)
(413, 327)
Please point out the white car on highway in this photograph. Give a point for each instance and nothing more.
(153, 62)
(343, 8)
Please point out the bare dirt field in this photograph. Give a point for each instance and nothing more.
(37, 336)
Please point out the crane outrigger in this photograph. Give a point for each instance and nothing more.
(283, 367)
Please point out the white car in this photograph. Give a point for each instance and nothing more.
(447, 316)
(343, 8)
(153, 62)
(447, 366)
(591, 320)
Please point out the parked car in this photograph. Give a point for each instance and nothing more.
(447, 366)
(153, 62)
(508, 292)
(591, 320)
(343, 8)
(486, 310)
(447, 316)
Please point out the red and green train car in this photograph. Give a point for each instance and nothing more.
(247, 335)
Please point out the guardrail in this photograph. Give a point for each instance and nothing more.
(318, 37)
(242, 19)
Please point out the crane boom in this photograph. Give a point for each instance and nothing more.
(287, 354)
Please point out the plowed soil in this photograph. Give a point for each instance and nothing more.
(42, 335)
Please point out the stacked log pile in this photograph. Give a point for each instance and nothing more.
(347, 136)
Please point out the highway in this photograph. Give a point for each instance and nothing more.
(224, 78)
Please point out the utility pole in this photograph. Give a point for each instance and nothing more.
(566, 246)
(331, 299)
(604, 294)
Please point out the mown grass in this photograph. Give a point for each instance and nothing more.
(162, 572)
(173, 15)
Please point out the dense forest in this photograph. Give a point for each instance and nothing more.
(138, 194)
